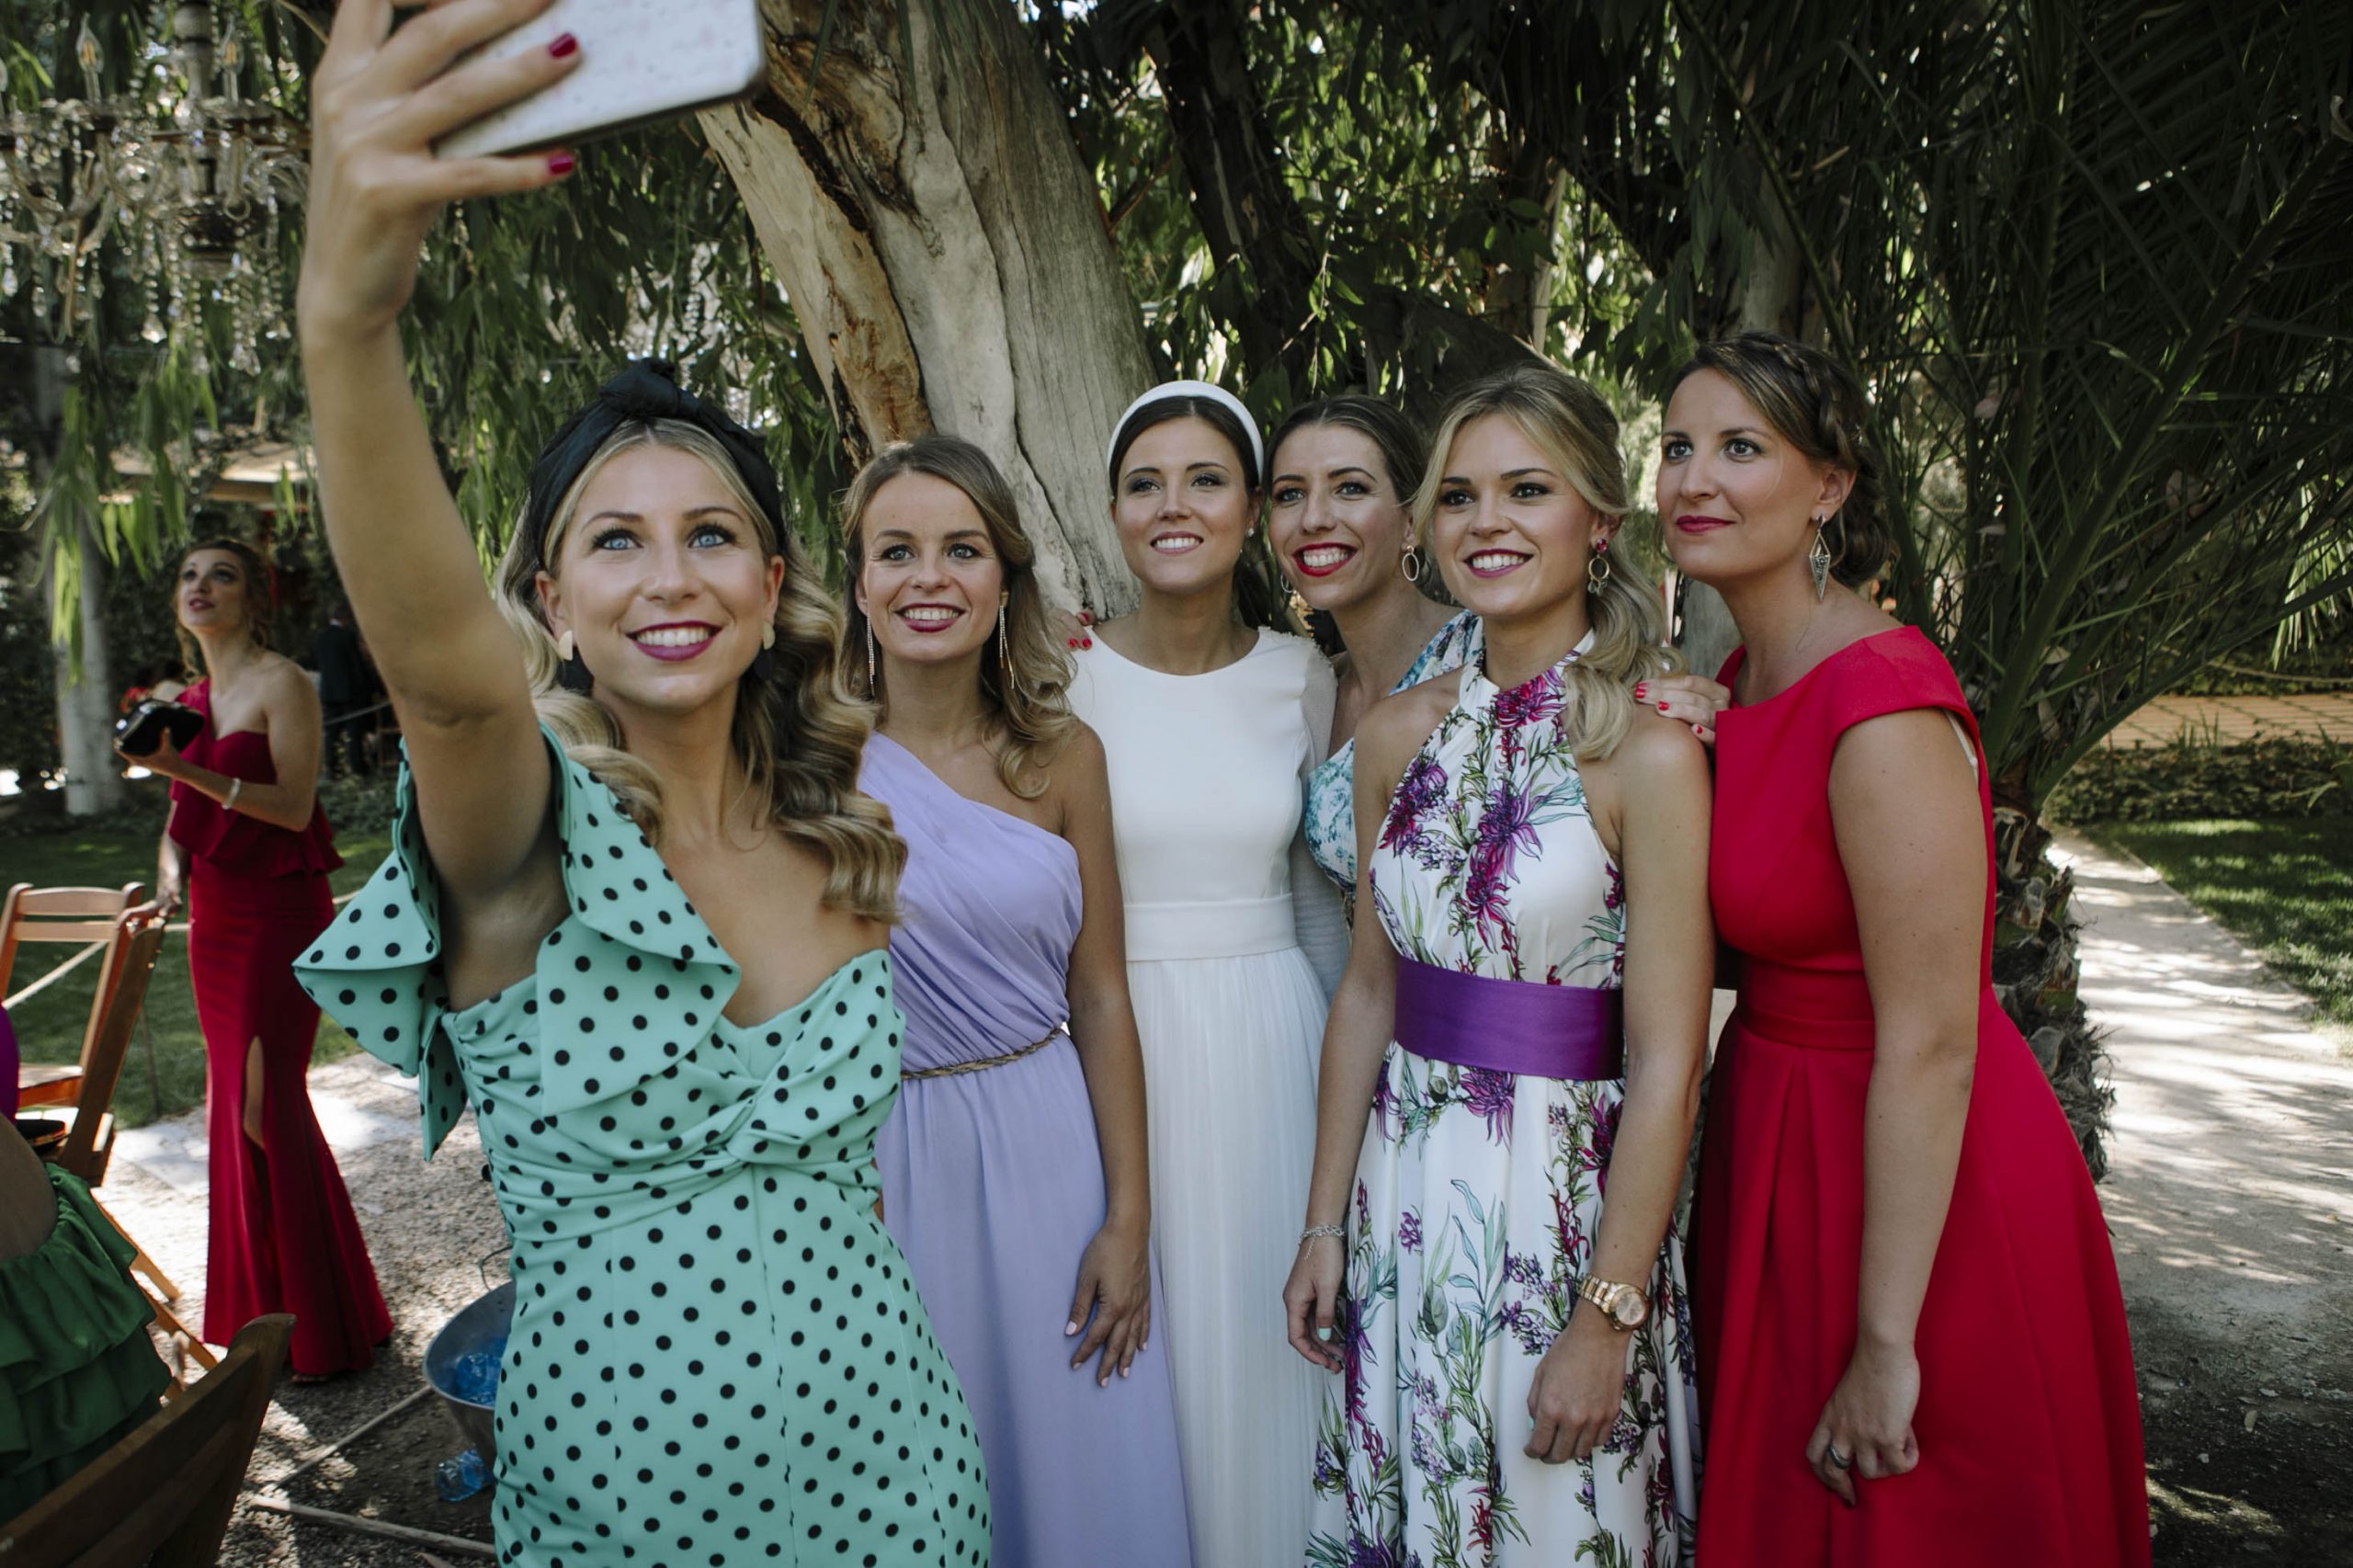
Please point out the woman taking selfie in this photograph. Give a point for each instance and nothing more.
(1911, 1338)
(248, 848)
(645, 939)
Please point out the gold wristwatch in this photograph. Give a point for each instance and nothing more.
(1626, 1306)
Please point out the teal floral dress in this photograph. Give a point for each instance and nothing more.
(717, 1356)
(1330, 821)
(1478, 1197)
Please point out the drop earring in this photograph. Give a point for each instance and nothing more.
(1409, 565)
(571, 669)
(1597, 567)
(764, 662)
(873, 681)
(1817, 560)
(1004, 648)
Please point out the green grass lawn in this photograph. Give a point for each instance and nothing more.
(49, 1028)
(2284, 887)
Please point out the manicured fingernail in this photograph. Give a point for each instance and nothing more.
(1070, 1328)
(1074, 641)
(1662, 707)
(1324, 1334)
(561, 164)
(1123, 1372)
(564, 46)
(1088, 644)
(1086, 618)
(1639, 687)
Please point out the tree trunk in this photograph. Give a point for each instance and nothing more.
(85, 685)
(946, 255)
(2037, 967)
(85, 696)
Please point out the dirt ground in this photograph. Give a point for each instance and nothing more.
(2230, 1198)
(2230, 1195)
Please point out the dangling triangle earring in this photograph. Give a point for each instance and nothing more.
(570, 670)
(1817, 561)
(764, 662)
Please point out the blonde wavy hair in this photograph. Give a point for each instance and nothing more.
(1025, 682)
(798, 733)
(1567, 421)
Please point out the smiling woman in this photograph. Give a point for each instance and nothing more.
(644, 940)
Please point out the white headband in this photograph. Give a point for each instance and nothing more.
(1215, 395)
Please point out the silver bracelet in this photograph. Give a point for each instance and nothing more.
(1313, 1231)
(229, 800)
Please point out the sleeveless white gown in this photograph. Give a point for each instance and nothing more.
(1206, 774)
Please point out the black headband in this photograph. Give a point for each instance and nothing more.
(647, 390)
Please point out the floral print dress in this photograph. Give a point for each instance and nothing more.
(1478, 1197)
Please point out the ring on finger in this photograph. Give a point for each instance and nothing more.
(1838, 1458)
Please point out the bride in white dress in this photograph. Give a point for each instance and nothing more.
(1210, 728)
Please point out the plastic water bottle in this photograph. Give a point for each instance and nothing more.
(461, 1477)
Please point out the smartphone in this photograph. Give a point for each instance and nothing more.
(641, 61)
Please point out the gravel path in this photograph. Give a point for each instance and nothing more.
(427, 1227)
(2230, 1195)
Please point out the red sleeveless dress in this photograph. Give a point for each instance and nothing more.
(2028, 1421)
(283, 1236)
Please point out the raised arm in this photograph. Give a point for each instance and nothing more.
(1356, 1035)
(1115, 1274)
(446, 657)
(1905, 806)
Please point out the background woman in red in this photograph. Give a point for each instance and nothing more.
(248, 848)
(1912, 1346)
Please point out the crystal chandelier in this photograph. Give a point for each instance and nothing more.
(187, 179)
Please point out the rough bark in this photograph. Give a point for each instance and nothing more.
(86, 697)
(945, 254)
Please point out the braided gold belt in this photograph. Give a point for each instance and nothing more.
(953, 1068)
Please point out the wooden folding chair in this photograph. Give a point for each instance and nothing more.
(162, 1496)
(63, 916)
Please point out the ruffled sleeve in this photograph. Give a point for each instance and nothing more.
(76, 1367)
(627, 985)
(377, 971)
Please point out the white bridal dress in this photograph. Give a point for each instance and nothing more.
(1206, 774)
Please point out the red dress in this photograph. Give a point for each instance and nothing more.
(2028, 1421)
(284, 1238)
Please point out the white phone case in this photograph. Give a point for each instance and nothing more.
(641, 59)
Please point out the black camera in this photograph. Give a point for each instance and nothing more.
(140, 731)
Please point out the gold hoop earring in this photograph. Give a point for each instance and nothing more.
(1409, 565)
(1817, 560)
(1597, 568)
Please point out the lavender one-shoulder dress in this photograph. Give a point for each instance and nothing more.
(992, 1184)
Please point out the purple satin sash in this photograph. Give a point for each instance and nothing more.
(1573, 1032)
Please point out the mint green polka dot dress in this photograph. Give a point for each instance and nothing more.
(717, 1356)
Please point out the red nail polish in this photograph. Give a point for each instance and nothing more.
(1088, 643)
(1074, 641)
(1662, 707)
(561, 164)
(564, 46)
(1639, 687)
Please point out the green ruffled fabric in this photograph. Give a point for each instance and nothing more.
(77, 1369)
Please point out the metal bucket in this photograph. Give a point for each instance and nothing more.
(475, 1328)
